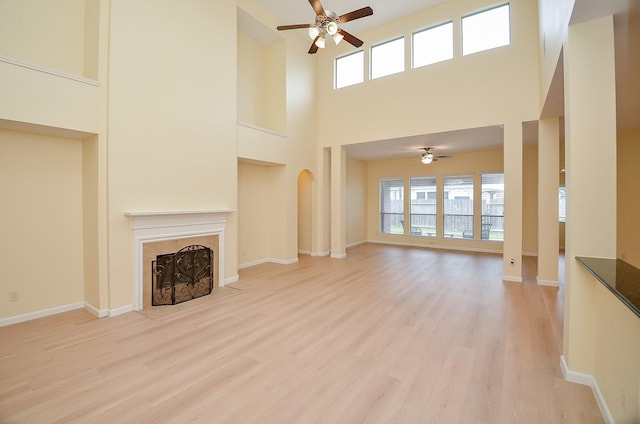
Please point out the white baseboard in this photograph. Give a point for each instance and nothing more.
(304, 252)
(355, 243)
(230, 280)
(121, 310)
(268, 260)
(550, 283)
(99, 313)
(512, 278)
(41, 314)
(338, 255)
(326, 253)
(438, 246)
(587, 380)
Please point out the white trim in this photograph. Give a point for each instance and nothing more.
(268, 260)
(512, 278)
(261, 129)
(304, 252)
(99, 313)
(438, 246)
(549, 283)
(231, 280)
(154, 226)
(356, 243)
(41, 314)
(50, 71)
(325, 253)
(587, 380)
(121, 310)
(338, 255)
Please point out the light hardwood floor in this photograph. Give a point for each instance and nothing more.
(387, 335)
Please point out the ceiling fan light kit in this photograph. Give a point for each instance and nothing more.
(328, 22)
(428, 156)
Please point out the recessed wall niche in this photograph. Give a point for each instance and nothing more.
(261, 75)
(57, 35)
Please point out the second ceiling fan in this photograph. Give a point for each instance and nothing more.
(328, 23)
(428, 156)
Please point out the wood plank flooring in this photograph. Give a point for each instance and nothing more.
(387, 335)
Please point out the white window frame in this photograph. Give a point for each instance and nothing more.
(395, 216)
(417, 219)
(469, 20)
(336, 69)
(372, 67)
(465, 232)
(491, 218)
(425, 32)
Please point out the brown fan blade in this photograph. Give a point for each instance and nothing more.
(285, 27)
(313, 49)
(356, 14)
(317, 7)
(351, 39)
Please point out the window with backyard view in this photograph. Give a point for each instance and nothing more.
(492, 207)
(458, 207)
(392, 206)
(423, 206)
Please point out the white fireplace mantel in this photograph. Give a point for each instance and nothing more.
(154, 226)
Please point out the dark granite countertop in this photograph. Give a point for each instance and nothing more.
(621, 278)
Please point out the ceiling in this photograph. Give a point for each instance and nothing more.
(444, 143)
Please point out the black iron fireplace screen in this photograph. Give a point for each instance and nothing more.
(181, 276)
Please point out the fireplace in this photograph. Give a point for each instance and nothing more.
(182, 276)
(162, 233)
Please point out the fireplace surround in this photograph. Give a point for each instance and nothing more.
(163, 232)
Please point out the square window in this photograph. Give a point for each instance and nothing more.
(486, 30)
(433, 45)
(387, 58)
(349, 69)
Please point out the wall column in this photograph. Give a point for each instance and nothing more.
(548, 183)
(338, 202)
(590, 116)
(512, 247)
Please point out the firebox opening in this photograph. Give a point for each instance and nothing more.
(181, 276)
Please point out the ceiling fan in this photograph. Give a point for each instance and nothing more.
(328, 22)
(428, 156)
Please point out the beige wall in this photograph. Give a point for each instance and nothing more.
(254, 212)
(628, 233)
(487, 88)
(601, 336)
(530, 200)
(261, 83)
(172, 120)
(553, 18)
(45, 33)
(294, 147)
(357, 182)
(305, 212)
(40, 221)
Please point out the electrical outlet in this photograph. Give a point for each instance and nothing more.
(13, 296)
(512, 261)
